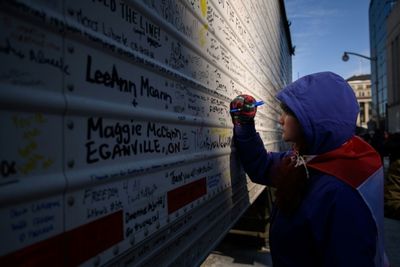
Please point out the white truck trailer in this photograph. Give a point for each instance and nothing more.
(115, 134)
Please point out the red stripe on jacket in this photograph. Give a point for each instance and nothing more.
(353, 162)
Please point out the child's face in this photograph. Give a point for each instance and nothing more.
(291, 127)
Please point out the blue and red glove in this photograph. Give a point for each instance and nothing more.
(246, 110)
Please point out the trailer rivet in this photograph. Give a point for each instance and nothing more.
(71, 201)
(96, 261)
(132, 240)
(70, 125)
(71, 164)
(116, 250)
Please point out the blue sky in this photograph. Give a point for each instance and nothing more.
(322, 29)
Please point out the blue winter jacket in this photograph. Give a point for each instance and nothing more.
(333, 225)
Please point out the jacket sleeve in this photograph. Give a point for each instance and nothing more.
(257, 162)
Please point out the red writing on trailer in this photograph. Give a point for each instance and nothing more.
(75, 246)
(186, 194)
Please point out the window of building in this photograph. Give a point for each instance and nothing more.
(362, 111)
(396, 70)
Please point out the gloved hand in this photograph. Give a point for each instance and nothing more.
(246, 110)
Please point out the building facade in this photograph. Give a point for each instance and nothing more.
(361, 85)
(393, 69)
(378, 14)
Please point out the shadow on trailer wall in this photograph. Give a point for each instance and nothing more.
(116, 139)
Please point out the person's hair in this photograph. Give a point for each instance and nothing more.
(290, 181)
(291, 184)
(287, 110)
(301, 147)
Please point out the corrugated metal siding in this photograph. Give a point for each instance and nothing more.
(116, 139)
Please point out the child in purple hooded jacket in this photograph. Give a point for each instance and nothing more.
(329, 186)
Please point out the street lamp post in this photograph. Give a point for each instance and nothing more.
(346, 57)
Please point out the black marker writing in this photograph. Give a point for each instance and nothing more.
(122, 133)
(107, 79)
(41, 58)
(7, 168)
(148, 90)
(10, 50)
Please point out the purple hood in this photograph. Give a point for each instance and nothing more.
(325, 106)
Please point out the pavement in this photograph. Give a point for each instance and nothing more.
(239, 250)
(392, 241)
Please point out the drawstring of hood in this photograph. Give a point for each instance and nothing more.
(301, 160)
